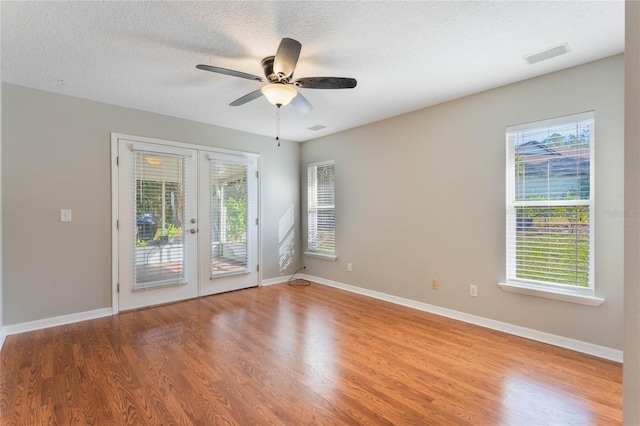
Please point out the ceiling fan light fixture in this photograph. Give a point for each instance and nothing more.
(279, 94)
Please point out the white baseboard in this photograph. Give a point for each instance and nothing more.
(2, 337)
(276, 280)
(540, 336)
(55, 321)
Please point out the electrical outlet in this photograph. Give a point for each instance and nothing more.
(434, 284)
(473, 290)
(349, 267)
(65, 215)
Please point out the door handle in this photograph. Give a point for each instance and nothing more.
(193, 230)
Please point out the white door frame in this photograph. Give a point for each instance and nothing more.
(115, 206)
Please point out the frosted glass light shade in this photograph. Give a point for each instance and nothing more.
(279, 94)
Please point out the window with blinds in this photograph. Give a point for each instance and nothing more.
(160, 256)
(321, 188)
(229, 207)
(550, 202)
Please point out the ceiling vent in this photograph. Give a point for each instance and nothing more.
(547, 54)
(317, 127)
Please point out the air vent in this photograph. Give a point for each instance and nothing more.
(316, 127)
(547, 54)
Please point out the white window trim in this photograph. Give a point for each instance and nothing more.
(321, 255)
(579, 295)
(551, 293)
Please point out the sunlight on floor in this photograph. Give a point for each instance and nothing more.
(524, 397)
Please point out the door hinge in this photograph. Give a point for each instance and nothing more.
(117, 223)
(257, 173)
(117, 161)
(118, 288)
(258, 268)
(256, 220)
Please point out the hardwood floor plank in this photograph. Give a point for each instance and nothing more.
(283, 355)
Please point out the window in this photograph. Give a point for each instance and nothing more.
(321, 207)
(159, 212)
(229, 204)
(550, 204)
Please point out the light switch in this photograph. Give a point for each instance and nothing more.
(65, 215)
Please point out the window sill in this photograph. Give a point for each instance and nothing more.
(323, 256)
(581, 299)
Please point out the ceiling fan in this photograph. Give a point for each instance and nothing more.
(280, 89)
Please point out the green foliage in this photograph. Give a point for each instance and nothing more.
(555, 139)
(326, 241)
(553, 244)
(236, 219)
(172, 231)
(149, 199)
(580, 139)
(557, 258)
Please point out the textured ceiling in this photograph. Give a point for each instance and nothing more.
(405, 55)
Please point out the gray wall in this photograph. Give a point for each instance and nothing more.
(422, 196)
(631, 377)
(56, 154)
(1, 241)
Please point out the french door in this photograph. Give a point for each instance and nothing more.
(187, 223)
(228, 194)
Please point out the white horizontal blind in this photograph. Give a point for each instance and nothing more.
(160, 205)
(550, 202)
(229, 218)
(321, 207)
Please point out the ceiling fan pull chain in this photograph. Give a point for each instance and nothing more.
(278, 125)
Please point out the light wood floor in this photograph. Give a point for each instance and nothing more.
(296, 356)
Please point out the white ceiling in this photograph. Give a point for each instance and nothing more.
(405, 55)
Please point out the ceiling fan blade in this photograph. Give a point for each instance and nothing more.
(247, 98)
(226, 71)
(286, 57)
(301, 103)
(326, 83)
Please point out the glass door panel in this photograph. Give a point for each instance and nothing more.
(157, 238)
(229, 253)
(160, 256)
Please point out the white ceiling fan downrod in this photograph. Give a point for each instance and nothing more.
(278, 124)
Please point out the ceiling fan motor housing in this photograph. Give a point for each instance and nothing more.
(272, 77)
